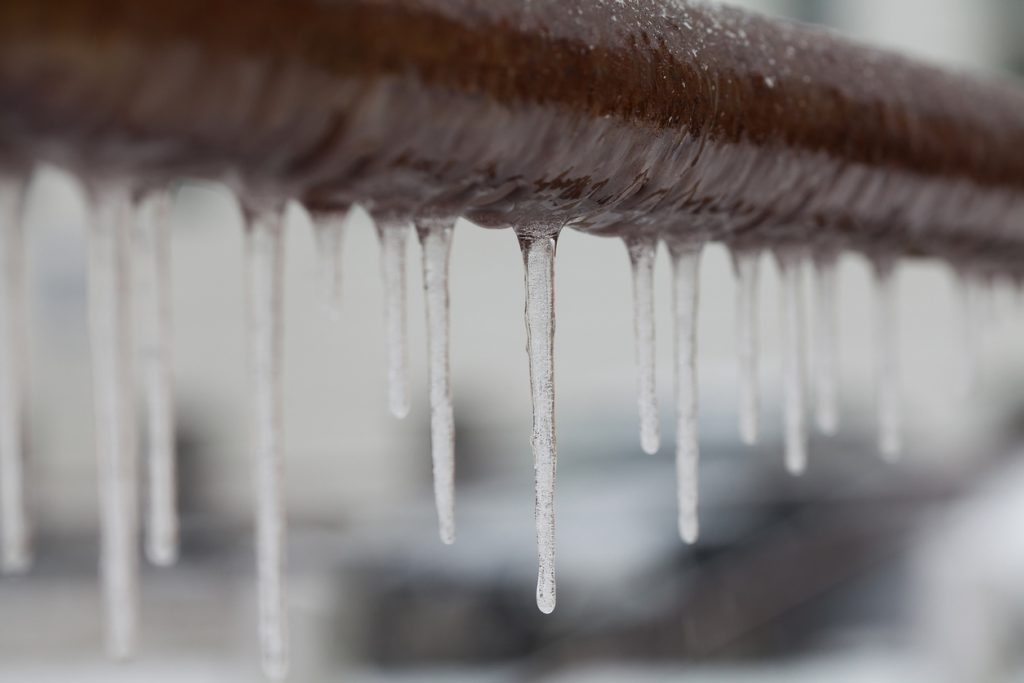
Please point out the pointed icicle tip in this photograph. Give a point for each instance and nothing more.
(686, 258)
(642, 255)
(393, 234)
(436, 240)
(538, 248)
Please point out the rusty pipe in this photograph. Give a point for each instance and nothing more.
(604, 115)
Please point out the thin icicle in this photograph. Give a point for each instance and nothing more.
(793, 362)
(539, 258)
(642, 254)
(436, 240)
(110, 317)
(393, 235)
(329, 232)
(265, 261)
(888, 385)
(826, 321)
(154, 291)
(747, 264)
(16, 551)
(686, 267)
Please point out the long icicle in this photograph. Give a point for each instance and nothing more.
(686, 266)
(110, 317)
(642, 254)
(746, 264)
(826, 327)
(971, 323)
(436, 240)
(393, 235)
(16, 534)
(265, 261)
(154, 268)
(888, 385)
(539, 259)
(793, 362)
(329, 232)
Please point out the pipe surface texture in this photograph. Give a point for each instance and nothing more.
(604, 115)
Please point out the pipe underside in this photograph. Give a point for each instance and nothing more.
(610, 116)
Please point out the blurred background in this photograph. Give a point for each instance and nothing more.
(858, 572)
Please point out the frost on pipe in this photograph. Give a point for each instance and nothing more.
(15, 529)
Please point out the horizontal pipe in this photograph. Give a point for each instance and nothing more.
(608, 116)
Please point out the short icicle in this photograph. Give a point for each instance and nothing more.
(746, 263)
(393, 235)
(110, 229)
(642, 254)
(265, 262)
(826, 337)
(686, 258)
(436, 240)
(154, 291)
(538, 247)
(888, 386)
(15, 534)
(329, 233)
(793, 361)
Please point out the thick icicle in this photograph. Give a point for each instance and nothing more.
(436, 240)
(154, 291)
(888, 386)
(111, 226)
(393, 235)
(686, 266)
(642, 254)
(539, 258)
(16, 551)
(826, 337)
(746, 263)
(265, 261)
(329, 232)
(793, 361)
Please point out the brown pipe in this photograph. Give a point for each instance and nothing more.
(605, 115)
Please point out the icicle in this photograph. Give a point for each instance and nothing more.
(826, 321)
(110, 316)
(329, 232)
(890, 438)
(539, 259)
(393, 235)
(686, 266)
(642, 254)
(793, 362)
(154, 291)
(436, 240)
(746, 263)
(16, 551)
(265, 260)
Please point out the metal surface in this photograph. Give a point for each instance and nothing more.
(605, 115)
